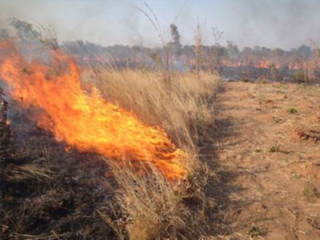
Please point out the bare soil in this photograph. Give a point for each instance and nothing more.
(268, 158)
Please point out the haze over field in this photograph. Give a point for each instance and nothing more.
(285, 24)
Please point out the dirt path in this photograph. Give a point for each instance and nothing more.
(268, 157)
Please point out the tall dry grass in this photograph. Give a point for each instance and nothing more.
(181, 110)
(154, 208)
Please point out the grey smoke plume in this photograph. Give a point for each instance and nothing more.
(105, 22)
(270, 23)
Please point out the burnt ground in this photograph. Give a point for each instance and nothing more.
(268, 159)
(50, 193)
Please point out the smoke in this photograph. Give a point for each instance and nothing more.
(270, 23)
(282, 23)
(104, 22)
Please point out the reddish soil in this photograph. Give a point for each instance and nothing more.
(268, 157)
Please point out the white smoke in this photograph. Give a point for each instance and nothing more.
(270, 23)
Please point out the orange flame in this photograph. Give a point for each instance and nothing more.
(85, 120)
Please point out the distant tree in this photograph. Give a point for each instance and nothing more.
(278, 53)
(27, 33)
(174, 46)
(266, 52)
(188, 53)
(316, 52)
(216, 51)
(80, 42)
(198, 49)
(305, 51)
(247, 54)
(257, 48)
(233, 50)
(175, 34)
(4, 33)
(25, 30)
(247, 51)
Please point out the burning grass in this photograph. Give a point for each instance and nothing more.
(183, 109)
(154, 208)
(138, 123)
(66, 110)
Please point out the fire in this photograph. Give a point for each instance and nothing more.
(86, 121)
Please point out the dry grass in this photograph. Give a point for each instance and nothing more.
(28, 172)
(154, 208)
(180, 110)
(151, 207)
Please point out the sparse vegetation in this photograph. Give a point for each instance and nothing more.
(299, 76)
(292, 110)
(275, 147)
(296, 176)
(256, 232)
(262, 98)
(309, 192)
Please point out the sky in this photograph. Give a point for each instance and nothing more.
(269, 23)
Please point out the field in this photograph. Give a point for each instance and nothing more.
(52, 190)
(267, 154)
(252, 165)
(108, 151)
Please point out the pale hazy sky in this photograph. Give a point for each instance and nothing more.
(270, 23)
